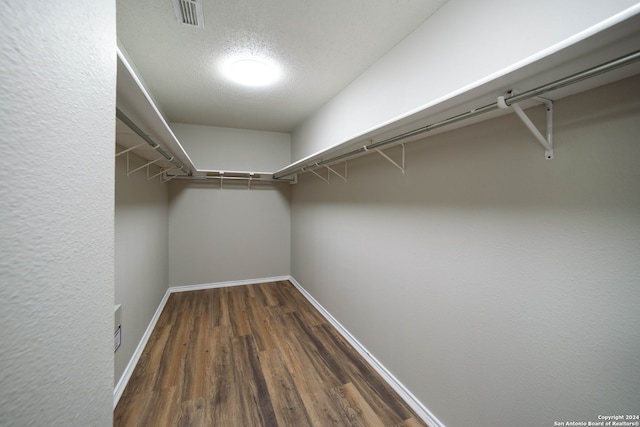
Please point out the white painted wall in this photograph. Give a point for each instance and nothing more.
(141, 252)
(218, 148)
(501, 288)
(218, 235)
(57, 98)
(464, 42)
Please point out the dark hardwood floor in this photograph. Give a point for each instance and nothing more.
(256, 355)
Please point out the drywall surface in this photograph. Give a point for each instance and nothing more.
(141, 252)
(501, 288)
(57, 97)
(218, 148)
(233, 233)
(464, 42)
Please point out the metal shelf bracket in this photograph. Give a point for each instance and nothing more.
(344, 177)
(146, 165)
(166, 177)
(149, 178)
(391, 160)
(547, 143)
(320, 176)
(129, 149)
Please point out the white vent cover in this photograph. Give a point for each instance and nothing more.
(189, 12)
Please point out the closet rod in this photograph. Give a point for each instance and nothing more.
(123, 117)
(231, 178)
(557, 84)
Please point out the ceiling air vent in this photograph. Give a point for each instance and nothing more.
(189, 12)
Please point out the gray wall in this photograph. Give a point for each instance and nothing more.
(232, 233)
(141, 252)
(501, 288)
(218, 148)
(57, 97)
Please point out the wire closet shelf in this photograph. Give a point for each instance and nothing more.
(500, 103)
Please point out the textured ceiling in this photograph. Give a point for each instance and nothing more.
(321, 45)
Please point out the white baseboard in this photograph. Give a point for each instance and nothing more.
(226, 284)
(128, 371)
(404, 393)
(422, 411)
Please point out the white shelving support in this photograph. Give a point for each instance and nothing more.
(249, 181)
(547, 143)
(320, 176)
(549, 107)
(168, 177)
(391, 160)
(130, 149)
(344, 177)
(149, 178)
(146, 165)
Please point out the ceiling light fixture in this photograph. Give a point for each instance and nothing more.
(252, 72)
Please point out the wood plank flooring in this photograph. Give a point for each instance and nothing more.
(256, 355)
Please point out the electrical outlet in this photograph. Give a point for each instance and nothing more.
(117, 339)
(117, 314)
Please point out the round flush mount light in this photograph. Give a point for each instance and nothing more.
(252, 72)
